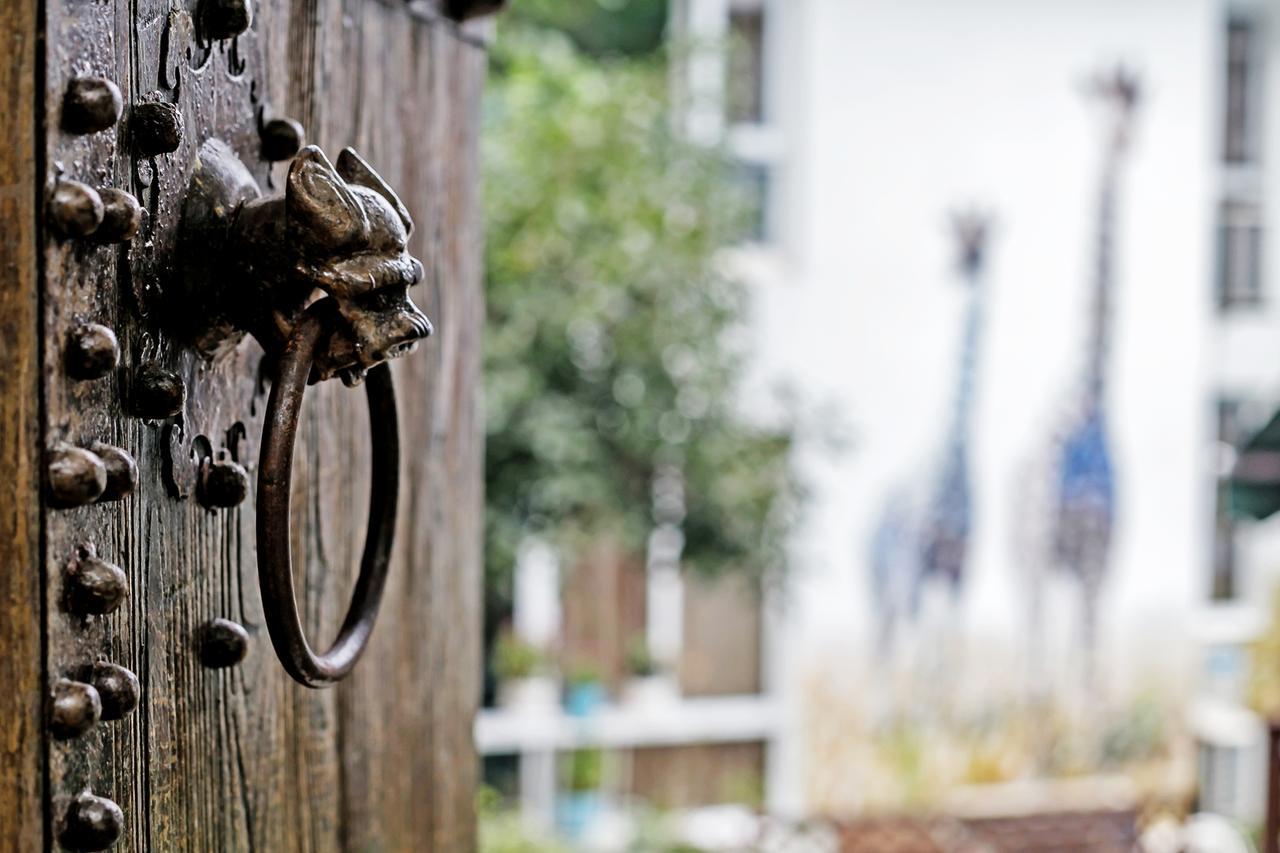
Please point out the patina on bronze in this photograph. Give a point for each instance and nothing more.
(253, 264)
(275, 562)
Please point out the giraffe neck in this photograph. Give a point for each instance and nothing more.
(1103, 285)
(963, 406)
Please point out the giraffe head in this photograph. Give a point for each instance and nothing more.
(1119, 90)
(972, 228)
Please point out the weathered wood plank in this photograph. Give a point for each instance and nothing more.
(419, 686)
(244, 759)
(21, 609)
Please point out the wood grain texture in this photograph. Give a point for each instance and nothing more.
(244, 759)
(21, 653)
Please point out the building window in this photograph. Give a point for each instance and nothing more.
(1241, 97)
(1219, 769)
(755, 183)
(1231, 435)
(746, 68)
(1239, 254)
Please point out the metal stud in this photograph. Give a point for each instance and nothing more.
(225, 19)
(156, 127)
(223, 643)
(92, 351)
(76, 708)
(282, 139)
(91, 104)
(117, 688)
(75, 477)
(75, 208)
(121, 216)
(91, 823)
(122, 471)
(461, 10)
(94, 587)
(157, 392)
(223, 484)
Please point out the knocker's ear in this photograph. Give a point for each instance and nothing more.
(357, 170)
(318, 200)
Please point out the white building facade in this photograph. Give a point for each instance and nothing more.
(862, 125)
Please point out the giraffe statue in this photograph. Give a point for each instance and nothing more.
(1076, 494)
(923, 536)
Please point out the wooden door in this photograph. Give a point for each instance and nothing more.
(223, 753)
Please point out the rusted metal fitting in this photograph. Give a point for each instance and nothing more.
(122, 471)
(157, 392)
(74, 477)
(223, 643)
(75, 209)
(91, 104)
(76, 708)
(92, 351)
(156, 127)
(118, 689)
(94, 587)
(121, 216)
(91, 823)
(282, 139)
(223, 484)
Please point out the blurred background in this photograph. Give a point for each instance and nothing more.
(875, 399)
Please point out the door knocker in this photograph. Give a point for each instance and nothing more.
(256, 265)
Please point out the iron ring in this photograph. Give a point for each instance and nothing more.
(275, 559)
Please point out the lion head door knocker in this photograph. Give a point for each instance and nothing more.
(320, 277)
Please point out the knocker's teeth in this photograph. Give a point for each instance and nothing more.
(351, 376)
(402, 349)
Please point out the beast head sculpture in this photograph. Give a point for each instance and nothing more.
(253, 264)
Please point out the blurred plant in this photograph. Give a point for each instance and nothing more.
(600, 26)
(640, 660)
(585, 770)
(1138, 734)
(513, 658)
(1264, 667)
(608, 354)
(656, 833)
(503, 831)
(582, 675)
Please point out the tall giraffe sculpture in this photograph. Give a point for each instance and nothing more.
(923, 534)
(1076, 484)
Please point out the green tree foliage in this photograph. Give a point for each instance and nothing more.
(608, 356)
(599, 26)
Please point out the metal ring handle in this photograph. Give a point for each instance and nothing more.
(275, 561)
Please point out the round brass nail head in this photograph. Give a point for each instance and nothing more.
(223, 484)
(94, 587)
(225, 19)
(117, 688)
(76, 708)
(223, 643)
(157, 392)
(75, 477)
(75, 208)
(122, 471)
(92, 351)
(156, 127)
(91, 104)
(91, 823)
(121, 216)
(282, 139)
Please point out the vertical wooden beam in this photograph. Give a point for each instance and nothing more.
(1271, 837)
(21, 655)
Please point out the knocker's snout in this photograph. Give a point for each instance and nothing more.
(407, 330)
